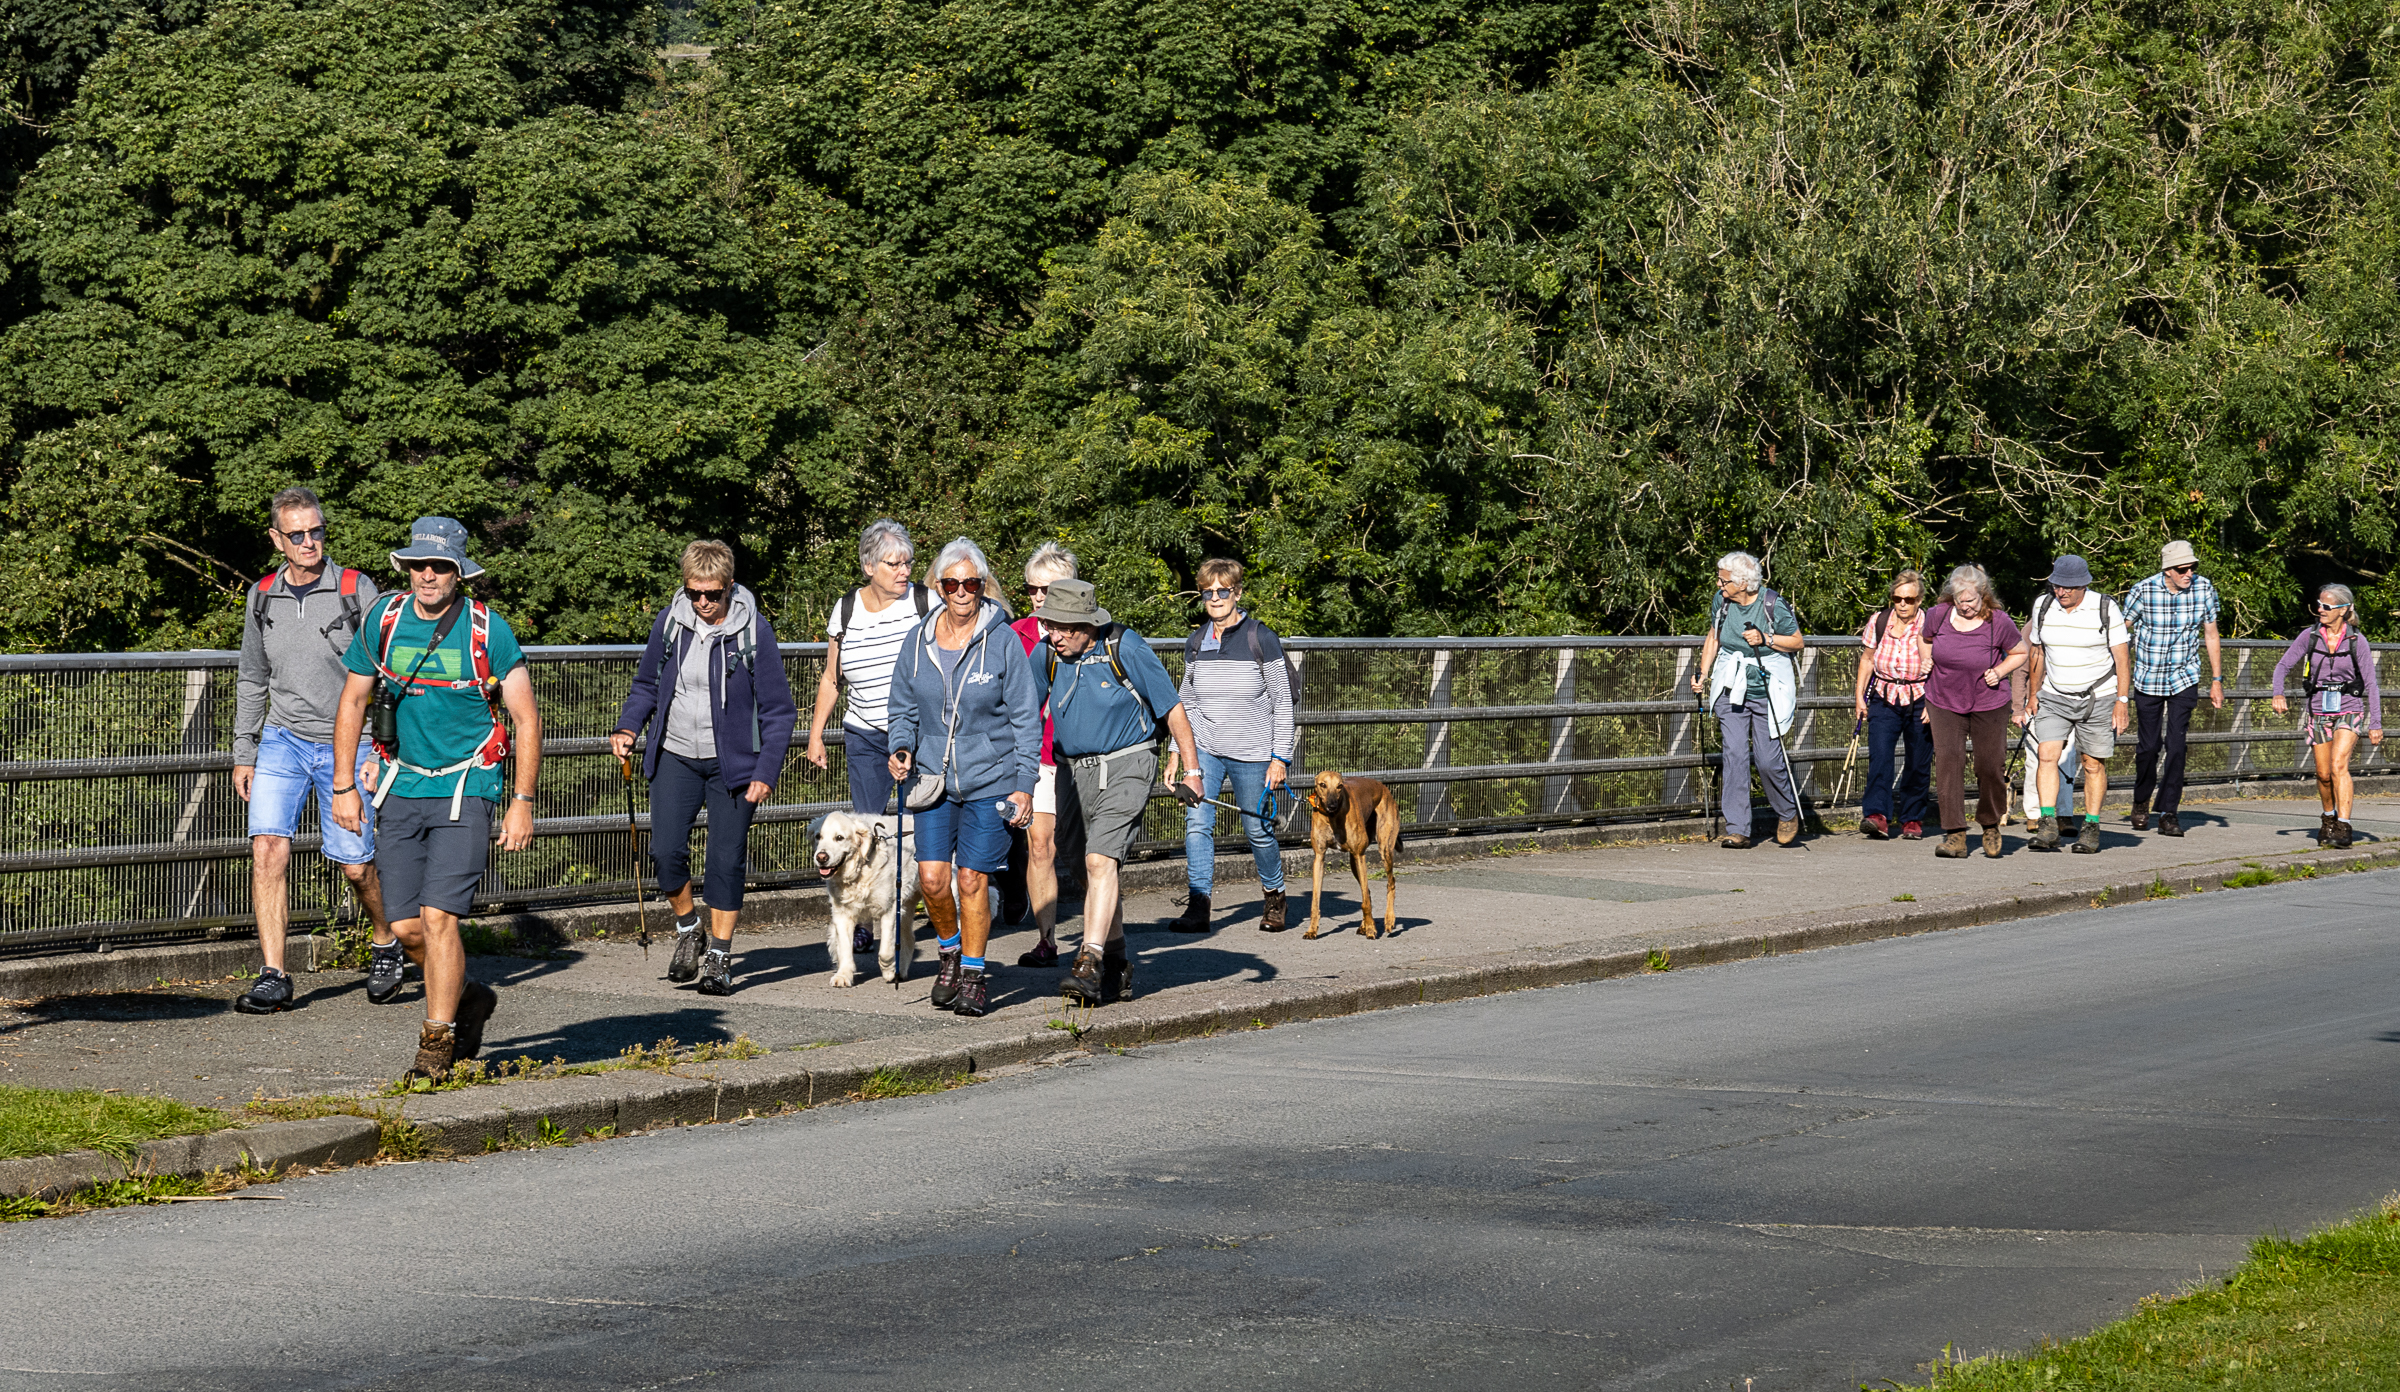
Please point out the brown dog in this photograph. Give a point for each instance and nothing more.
(1346, 812)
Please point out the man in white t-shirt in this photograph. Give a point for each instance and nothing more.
(2081, 678)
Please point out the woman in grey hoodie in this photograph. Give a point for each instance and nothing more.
(712, 686)
(964, 696)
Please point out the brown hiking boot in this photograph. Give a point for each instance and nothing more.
(1991, 842)
(435, 1043)
(1271, 913)
(1194, 918)
(2325, 829)
(2341, 834)
(1116, 974)
(1083, 983)
(1953, 847)
(1787, 831)
(2140, 818)
(2045, 834)
(1735, 843)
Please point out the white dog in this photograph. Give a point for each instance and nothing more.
(854, 854)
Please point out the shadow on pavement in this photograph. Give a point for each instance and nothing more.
(591, 1041)
(131, 1006)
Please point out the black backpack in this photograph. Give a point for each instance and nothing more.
(2042, 606)
(2353, 685)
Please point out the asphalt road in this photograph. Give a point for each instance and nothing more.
(1808, 1172)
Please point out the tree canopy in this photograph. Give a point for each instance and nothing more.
(1444, 317)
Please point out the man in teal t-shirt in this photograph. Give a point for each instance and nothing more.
(434, 814)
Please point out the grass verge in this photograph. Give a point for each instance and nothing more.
(45, 1121)
(2258, 875)
(397, 1137)
(665, 1056)
(892, 1082)
(2316, 1312)
(134, 1190)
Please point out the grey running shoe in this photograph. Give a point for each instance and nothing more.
(974, 996)
(716, 973)
(387, 963)
(945, 979)
(475, 1007)
(687, 956)
(270, 993)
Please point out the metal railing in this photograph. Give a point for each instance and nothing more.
(118, 821)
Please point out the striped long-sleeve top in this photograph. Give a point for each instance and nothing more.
(1237, 691)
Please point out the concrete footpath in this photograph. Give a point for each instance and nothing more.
(1469, 927)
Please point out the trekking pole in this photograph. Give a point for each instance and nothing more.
(633, 846)
(899, 864)
(1841, 787)
(1708, 803)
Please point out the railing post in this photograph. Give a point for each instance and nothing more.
(1804, 723)
(1431, 796)
(1682, 785)
(2241, 717)
(197, 736)
(1299, 732)
(1558, 792)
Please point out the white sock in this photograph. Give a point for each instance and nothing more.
(691, 927)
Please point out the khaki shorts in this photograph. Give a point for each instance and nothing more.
(1109, 816)
(2086, 720)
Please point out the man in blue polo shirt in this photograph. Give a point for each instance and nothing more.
(1107, 692)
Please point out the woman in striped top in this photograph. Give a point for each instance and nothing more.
(1237, 690)
(1891, 699)
(864, 635)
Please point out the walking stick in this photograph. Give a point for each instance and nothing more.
(1841, 787)
(1708, 802)
(633, 845)
(899, 864)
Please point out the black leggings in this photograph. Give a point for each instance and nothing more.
(675, 798)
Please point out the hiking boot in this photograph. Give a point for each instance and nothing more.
(1991, 843)
(272, 992)
(1083, 983)
(1735, 843)
(2341, 834)
(435, 1045)
(973, 998)
(1953, 847)
(716, 973)
(1195, 914)
(1044, 954)
(1116, 974)
(1271, 913)
(1876, 825)
(2169, 824)
(687, 955)
(2140, 819)
(387, 963)
(2325, 829)
(1787, 831)
(2088, 843)
(945, 981)
(2045, 835)
(1912, 831)
(475, 1007)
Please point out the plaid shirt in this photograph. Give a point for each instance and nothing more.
(2166, 633)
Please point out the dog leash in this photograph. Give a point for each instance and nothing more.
(1270, 800)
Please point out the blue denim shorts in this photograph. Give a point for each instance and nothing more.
(289, 767)
(969, 835)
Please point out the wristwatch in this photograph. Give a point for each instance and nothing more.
(524, 797)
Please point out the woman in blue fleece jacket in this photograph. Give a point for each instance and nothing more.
(964, 694)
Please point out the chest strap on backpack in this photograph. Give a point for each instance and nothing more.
(496, 746)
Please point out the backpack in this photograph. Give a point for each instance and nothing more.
(1250, 630)
(1116, 664)
(497, 746)
(2042, 606)
(348, 585)
(843, 612)
(2353, 685)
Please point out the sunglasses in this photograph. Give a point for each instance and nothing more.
(412, 566)
(1906, 599)
(1036, 591)
(303, 538)
(2330, 608)
(1220, 592)
(973, 584)
(2182, 569)
(704, 596)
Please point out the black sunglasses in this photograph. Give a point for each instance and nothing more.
(1219, 592)
(415, 564)
(1907, 599)
(705, 596)
(973, 584)
(303, 538)
(2182, 569)
(1036, 591)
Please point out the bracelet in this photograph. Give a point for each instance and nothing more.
(524, 797)
(351, 789)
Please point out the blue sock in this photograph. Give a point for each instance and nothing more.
(973, 964)
(946, 944)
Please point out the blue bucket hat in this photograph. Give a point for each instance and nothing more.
(2071, 572)
(437, 539)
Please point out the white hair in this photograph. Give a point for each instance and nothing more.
(882, 537)
(961, 549)
(1742, 567)
(1050, 561)
(2340, 593)
(1971, 579)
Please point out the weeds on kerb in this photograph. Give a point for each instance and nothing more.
(134, 1190)
(665, 1056)
(397, 1138)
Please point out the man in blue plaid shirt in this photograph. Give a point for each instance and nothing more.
(2172, 616)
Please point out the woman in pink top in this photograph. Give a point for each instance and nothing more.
(1050, 563)
(2339, 683)
(1970, 647)
(1890, 697)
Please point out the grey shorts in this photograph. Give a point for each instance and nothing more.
(428, 861)
(2085, 720)
(1111, 816)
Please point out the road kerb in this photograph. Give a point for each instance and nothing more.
(278, 1145)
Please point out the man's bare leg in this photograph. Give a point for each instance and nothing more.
(1041, 873)
(368, 886)
(270, 893)
(432, 942)
(1103, 916)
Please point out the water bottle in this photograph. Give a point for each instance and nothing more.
(1007, 811)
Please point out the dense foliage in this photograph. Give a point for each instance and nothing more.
(1447, 316)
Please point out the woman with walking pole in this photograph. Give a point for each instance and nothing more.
(1752, 635)
(712, 689)
(2337, 679)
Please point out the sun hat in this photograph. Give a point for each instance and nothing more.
(2071, 572)
(437, 539)
(1073, 602)
(2176, 553)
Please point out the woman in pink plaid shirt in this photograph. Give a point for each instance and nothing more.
(1891, 699)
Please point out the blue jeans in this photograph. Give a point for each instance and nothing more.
(288, 769)
(865, 753)
(1887, 724)
(1200, 824)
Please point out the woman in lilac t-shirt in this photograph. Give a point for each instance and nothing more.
(1972, 647)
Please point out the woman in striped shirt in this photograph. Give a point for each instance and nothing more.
(864, 635)
(1237, 691)
(1891, 699)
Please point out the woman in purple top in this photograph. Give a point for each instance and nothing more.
(1971, 647)
(2337, 677)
